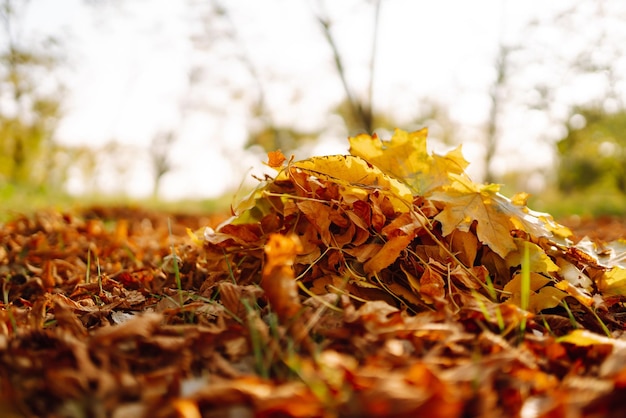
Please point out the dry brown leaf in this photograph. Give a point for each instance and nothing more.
(432, 285)
(464, 245)
(235, 297)
(319, 215)
(390, 251)
(142, 325)
(460, 275)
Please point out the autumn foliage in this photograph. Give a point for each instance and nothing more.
(381, 283)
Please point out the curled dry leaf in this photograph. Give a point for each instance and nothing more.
(278, 275)
(432, 285)
(141, 325)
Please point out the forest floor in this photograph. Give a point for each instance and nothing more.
(98, 321)
(601, 228)
(385, 283)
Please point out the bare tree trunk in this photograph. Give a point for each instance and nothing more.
(362, 112)
(368, 111)
(355, 106)
(159, 154)
(495, 94)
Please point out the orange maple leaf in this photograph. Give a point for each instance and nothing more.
(276, 159)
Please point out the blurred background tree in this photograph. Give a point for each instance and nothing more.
(545, 79)
(583, 95)
(31, 103)
(593, 153)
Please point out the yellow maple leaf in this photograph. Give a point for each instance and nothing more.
(468, 202)
(356, 176)
(405, 157)
(613, 282)
(539, 260)
(541, 296)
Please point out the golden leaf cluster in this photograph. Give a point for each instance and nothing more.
(393, 222)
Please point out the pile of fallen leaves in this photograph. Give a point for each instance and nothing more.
(381, 283)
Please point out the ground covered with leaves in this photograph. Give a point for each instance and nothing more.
(377, 284)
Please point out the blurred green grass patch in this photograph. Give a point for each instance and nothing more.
(592, 202)
(25, 200)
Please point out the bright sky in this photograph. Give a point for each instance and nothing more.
(129, 63)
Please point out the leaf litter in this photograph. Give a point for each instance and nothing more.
(380, 283)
